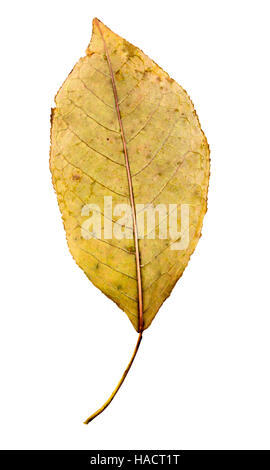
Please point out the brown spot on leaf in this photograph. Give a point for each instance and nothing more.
(76, 177)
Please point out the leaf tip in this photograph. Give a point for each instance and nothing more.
(95, 22)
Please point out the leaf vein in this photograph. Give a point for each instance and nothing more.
(93, 93)
(89, 146)
(91, 177)
(91, 117)
(105, 264)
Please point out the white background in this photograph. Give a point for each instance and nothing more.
(201, 378)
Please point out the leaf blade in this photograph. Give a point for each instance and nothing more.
(169, 163)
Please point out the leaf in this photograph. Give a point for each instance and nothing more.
(125, 131)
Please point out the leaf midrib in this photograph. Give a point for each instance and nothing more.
(130, 185)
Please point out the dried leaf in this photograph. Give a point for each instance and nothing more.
(125, 131)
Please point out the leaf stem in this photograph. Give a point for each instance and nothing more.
(135, 231)
(100, 410)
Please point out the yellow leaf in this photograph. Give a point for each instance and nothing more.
(124, 134)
